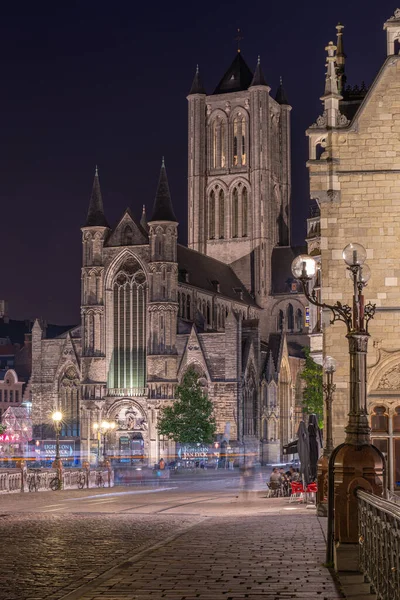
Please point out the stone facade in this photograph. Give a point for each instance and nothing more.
(354, 170)
(227, 305)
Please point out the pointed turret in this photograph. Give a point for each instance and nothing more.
(143, 220)
(340, 59)
(331, 87)
(271, 367)
(281, 97)
(162, 208)
(197, 85)
(258, 78)
(95, 216)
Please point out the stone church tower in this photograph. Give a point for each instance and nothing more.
(239, 174)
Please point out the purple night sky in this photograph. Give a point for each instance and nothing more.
(86, 83)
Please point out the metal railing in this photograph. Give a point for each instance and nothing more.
(379, 528)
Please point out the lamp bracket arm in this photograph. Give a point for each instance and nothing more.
(340, 312)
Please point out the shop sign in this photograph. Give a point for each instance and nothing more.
(48, 450)
(9, 437)
(193, 452)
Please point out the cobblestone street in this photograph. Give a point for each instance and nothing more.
(199, 539)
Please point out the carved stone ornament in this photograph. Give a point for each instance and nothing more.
(321, 121)
(193, 347)
(247, 104)
(209, 110)
(396, 15)
(341, 120)
(227, 107)
(391, 379)
(358, 342)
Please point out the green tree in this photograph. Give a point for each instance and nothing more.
(313, 397)
(3, 429)
(190, 419)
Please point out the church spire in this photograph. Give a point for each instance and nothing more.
(95, 216)
(258, 78)
(197, 86)
(331, 87)
(340, 59)
(281, 97)
(162, 208)
(143, 220)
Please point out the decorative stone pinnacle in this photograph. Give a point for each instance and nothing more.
(339, 28)
(96, 172)
(162, 162)
(258, 60)
(280, 80)
(144, 209)
(330, 48)
(197, 69)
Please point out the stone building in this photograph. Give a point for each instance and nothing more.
(354, 166)
(226, 305)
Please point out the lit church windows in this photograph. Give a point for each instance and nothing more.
(239, 141)
(235, 142)
(128, 363)
(243, 141)
(218, 141)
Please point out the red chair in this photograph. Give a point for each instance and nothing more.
(297, 491)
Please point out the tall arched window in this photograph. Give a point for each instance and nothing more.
(280, 320)
(244, 212)
(127, 239)
(223, 143)
(208, 317)
(128, 361)
(179, 305)
(214, 144)
(299, 320)
(235, 141)
(290, 318)
(69, 386)
(243, 149)
(188, 302)
(235, 213)
(221, 215)
(211, 216)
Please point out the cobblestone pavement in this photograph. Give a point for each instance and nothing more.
(43, 554)
(256, 557)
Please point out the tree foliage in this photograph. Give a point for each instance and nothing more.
(3, 429)
(190, 419)
(313, 396)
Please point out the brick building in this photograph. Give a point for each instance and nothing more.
(227, 304)
(354, 167)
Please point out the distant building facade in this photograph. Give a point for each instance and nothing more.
(354, 166)
(227, 305)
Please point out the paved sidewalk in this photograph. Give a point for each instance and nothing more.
(228, 558)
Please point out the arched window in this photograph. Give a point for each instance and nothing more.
(208, 314)
(214, 144)
(188, 316)
(221, 208)
(244, 157)
(380, 420)
(211, 216)
(158, 245)
(128, 358)
(290, 318)
(396, 420)
(235, 213)
(223, 144)
(235, 141)
(280, 320)
(299, 320)
(69, 399)
(179, 305)
(127, 238)
(183, 307)
(244, 212)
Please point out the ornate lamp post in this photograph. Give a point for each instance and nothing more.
(356, 463)
(329, 388)
(102, 429)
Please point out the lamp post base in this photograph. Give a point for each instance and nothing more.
(322, 481)
(346, 557)
(355, 467)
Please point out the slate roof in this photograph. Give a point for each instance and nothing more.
(16, 330)
(162, 208)
(197, 85)
(237, 78)
(203, 270)
(281, 97)
(258, 78)
(281, 262)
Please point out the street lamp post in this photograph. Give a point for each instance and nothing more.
(102, 429)
(57, 418)
(323, 462)
(356, 463)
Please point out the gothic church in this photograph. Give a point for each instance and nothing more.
(226, 304)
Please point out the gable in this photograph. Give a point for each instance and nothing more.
(127, 233)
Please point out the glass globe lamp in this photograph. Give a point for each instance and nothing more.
(304, 267)
(354, 254)
(365, 274)
(56, 416)
(329, 364)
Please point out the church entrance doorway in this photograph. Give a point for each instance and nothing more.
(130, 437)
(130, 447)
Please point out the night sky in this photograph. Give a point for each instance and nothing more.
(86, 83)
